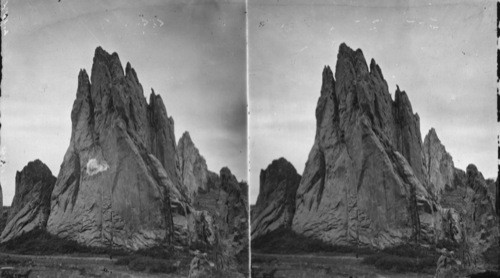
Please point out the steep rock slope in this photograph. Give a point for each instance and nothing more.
(119, 184)
(365, 179)
(275, 204)
(31, 204)
(440, 167)
(192, 166)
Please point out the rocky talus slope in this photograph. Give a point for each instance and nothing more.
(275, 206)
(30, 207)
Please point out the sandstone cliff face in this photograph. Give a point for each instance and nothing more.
(365, 179)
(275, 204)
(119, 182)
(440, 167)
(31, 204)
(192, 166)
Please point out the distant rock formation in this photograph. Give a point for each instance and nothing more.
(119, 183)
(365, 178)
(193, 167)
(30, 207)
(275, 206)
(439, 162)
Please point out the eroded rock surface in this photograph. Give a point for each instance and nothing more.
(30, 207)
(275, 204)
(439, 162)
(193, 167)
(200, 267)
(119, 182)
(479, 220)
(232, 220)
(365, 179)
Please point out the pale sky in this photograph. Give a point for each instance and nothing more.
(192, 53)
(442, 53)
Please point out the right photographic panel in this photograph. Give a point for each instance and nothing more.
(373, 138)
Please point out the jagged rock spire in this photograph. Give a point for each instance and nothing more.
(118, 182)
(366, 161)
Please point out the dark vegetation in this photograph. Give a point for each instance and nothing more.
(284, 241)
(149, 264)
(405, 258)
(486, 274)
(7, 260)
(492, 255)
(40, 242)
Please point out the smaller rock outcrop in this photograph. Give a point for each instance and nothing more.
(480, 223)
(192, 166)
(231, 219)
(31, 204)
(275, 204)
(439, 163)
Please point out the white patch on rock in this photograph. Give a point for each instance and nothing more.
(94, 166)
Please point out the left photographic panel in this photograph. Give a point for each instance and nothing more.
(92, 164)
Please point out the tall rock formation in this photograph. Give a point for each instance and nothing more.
(365, 179)
(440, 167)
(31, 204)
(118, 184)
(275, 204)
(193, 167)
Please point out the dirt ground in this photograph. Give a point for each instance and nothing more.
(68, 266)
(309, 266)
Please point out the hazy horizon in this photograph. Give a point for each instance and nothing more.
(441, 53)
(191, 53)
